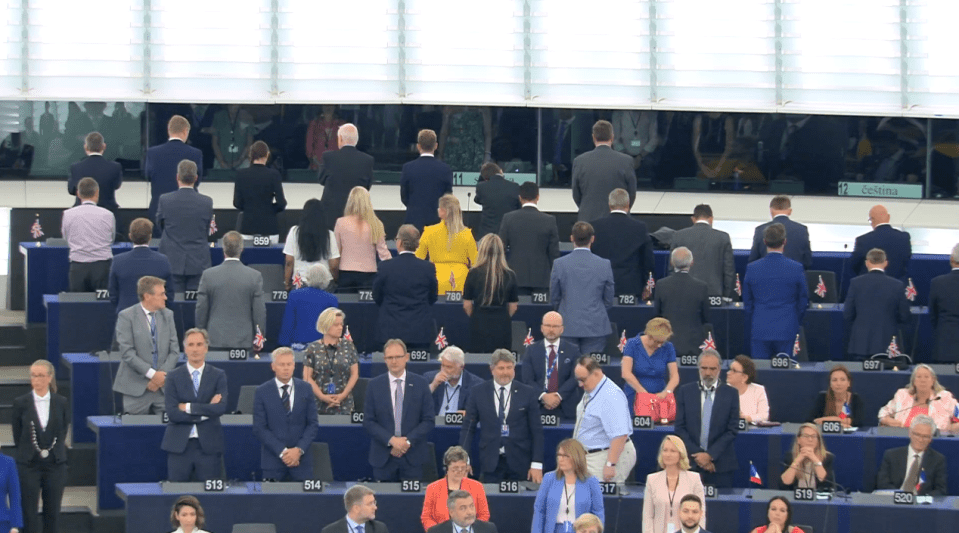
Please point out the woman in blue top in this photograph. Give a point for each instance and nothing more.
(304, 306)
(649, 362)
(567, 493)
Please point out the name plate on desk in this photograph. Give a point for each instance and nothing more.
(171, 487)
(627, 299)
(261, 241)
(454, 296)
(103, 294)
(338, 420)
(887, 431)
(716, 301)
(508, 487)
(764, 495)
(780, 362)
(79, 297)
(601, 358)
(143, 420)
(871, 365)
(188, 296)
(419, 355)
(688, 360)
(291, 487)
(279, 296)
(539, 297)
(237, 420)
(450, 419)
(365, 295)
(549, 420)
(831, 426)
(237, 354)
(411, 485)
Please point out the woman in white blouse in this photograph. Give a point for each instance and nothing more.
(753, 403)
(187, 515)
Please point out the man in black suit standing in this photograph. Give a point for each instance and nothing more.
(597, 172)
(511, 432)
(108, 174)
(897, 245)
(162, 162)
(360, 502)
(684, 301)
(405, 291)
(625, 242)
(423, 181)
(944, 311)
(548, 367)
(797, 235)
(462, 516)
(531, 240)
(497, 195)
(184, 217)
(902, 467)
(875, 308)
(713, 251)
(341, 170)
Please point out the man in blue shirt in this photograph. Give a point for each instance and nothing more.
(603, 424)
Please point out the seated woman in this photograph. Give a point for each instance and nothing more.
(331, 366)
(779, 515)
(839, 402)
(649, 360)
(187, 515)
(753, 404)
(568, 493)
(810, 465)
(924, 396)
(666, 488)
(304, 306)
(457, 463)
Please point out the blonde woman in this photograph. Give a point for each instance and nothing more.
(810, 465)
(449, 245)
(360, 238)
(490, 297)
(924, 396)
(665, 489)
(331, 365)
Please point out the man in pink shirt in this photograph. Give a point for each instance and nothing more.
(89, 231)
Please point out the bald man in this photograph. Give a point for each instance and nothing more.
(895, 243)
(548, 366)
(341, 170)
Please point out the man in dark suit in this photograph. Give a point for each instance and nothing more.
(707, 419)
(108, 174)
(360, 504)
(162, 163)
(896, 244)
(452, 383)
(597, 172)
(713, 251)
(875, 309)
(229, 301)
(531, 240)
(690, 514)
(184, 218)
(258, 194)
(284, 421)
(462, 516)
(341, 170)
(775, 298)
(129, 267)
(398, 416)
(625, 242)
(405, 291)
(511, 432)
(684, 301)
(196, 398)
(944, 311)
(797, 235)
(548, 367)
(497, 195)
(423, 181)
(902, 467)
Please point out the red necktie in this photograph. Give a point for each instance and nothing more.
(552, 385)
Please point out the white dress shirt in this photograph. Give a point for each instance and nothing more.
(42, 405)
(279, 389)
(193, 433)
(146, 314)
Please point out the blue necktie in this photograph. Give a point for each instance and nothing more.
(359, 528)
(153, 335)
(196, 382)
(707, 415)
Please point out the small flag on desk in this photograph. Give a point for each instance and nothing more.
(259, 340)
(35, 230)
(347, 335)
(821, 288)
(709, 343)
(528, 341)
(650, 283)
(452, 281)
(846, 413)
(622, 342)
(893, 349)
(213, 225)
(955, 414)
(297, 281)
(911, 291)
(754, 474)
(796, 348)
(922, 480)
(441, 340)
(739, 286)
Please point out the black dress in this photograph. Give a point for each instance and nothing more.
(490, 326)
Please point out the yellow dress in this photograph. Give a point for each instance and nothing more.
(452, 262)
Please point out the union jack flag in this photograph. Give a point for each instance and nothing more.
(650, 283)
(821, 288)
(452, 281)
(910, 291)
(347, 335)
(922, 479)
(259, 340)
(709, 343)
(739, 286)
(441, 339)
(893, 349)
(35, 230)
(529, 338)
(845, 412)
(622, 342)
(213, 225)
(297, 281)
(796, 348)
(754, 474)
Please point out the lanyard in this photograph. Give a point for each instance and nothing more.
(449, 397)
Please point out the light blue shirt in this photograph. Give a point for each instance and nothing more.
(457, 529)
(451, 397)
(605, 417)
(354, 527)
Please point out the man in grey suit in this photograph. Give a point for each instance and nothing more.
(184, 217)
(684, 301)
(713, 252)
(146, 335)
(531, 240)
(229, 302)
(597, 172)
(581, 288)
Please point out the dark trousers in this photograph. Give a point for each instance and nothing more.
(503, 473)
(297, 473)
(354, 280)
(46, 479)
(767, 349)
(398, 469)
(88, 277)
(720, 480)
(193, 461)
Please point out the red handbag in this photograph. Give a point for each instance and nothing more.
(661, 410)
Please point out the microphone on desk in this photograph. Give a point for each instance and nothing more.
(927, 403)
(837, 490)
(842, 270)
(468, 196)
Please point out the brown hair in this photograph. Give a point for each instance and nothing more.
(749, 367)
(259, 150)
(577, 454)
(582, 233)
(426, 139)
(88, 188)
(178, 125)
(187, 501)
(94, 142)
(602, 131)
(146, 284)
(141, 231)
(830, 395)
(780, 203)
(774, 236)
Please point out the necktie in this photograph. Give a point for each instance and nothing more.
(707, 415)
(912, 476)
(359, 528)
(196, 382)
(552, 384)
(286, 398)
(153, 335)
(502, 406)
(398, 409)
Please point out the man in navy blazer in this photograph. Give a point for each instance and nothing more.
(944, 311)
(129, 267)
(405, 290)
(897, 245)
(581, 288)
(797, 235)
(511, 432)
(774, 297)
(160, 164)
(341, 170)
(108, 174)
(711, 449)
(423, 181)
(548, 367)
(875, 308)
(184, 217)
(626, 243)
(398, 416)
(284, 421)
(196, 398)
(451, 384)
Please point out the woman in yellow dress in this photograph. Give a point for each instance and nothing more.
(449, 245)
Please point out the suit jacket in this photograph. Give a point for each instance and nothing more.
(405, 290)
(340, 171)
(775, 297)
(589, 499)
(108, 175)
(657, 502)
(684, 301)
(184, 217)
(159, 167)
(797, 241)
(533, 373)
(467, 381)
(498, 196)
(258, 194)
(11, 513)
(581, 288)
(276, 429)
(419, 417)
(203, 414)
(136, 348)
(230, 305)
(127, 269)
(25, 413)
(523, 446)
(892, 472)
(723, 424)
(342, 526)
(478, 526)
(423, 181)
(625, 242)
(897, 245)
(531, 241)
(595, 174)
(875, 308)
(712, 257)
(944, 314)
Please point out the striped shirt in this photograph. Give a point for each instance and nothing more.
(605, 417)
(89, 231)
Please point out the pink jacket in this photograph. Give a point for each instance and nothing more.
(940, 410)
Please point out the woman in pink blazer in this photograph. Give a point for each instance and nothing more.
(924, 396)
(666, 488)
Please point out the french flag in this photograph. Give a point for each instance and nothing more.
(922, 479)
(754, 474)
(847, 414)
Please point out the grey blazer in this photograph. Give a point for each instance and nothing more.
(184, 216)
(712, 257)
(229, 304)
(595, 174)
(531, 241)
(136, 348)
(581, 288)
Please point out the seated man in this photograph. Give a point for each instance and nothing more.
(451, 384)
(89, 231)
(548, 368)
(875, 309)
(360, 502)
(462, 516)
(904, 468)
(140, 261)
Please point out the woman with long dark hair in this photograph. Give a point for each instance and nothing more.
(490, 297)
(839, 402)
(309, 243)
(779, 515)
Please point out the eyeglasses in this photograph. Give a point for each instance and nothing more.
(808, 436)
(458, 469)
(394, 358)
(734, 371)
(920, 436)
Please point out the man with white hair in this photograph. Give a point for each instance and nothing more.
(915, 468)
(451, 384)
(944, 311)
(341, 170)
(684, 301)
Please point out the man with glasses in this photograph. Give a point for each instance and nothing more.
(360, 502)
(603, 424)
(548, 368)
(916, 468)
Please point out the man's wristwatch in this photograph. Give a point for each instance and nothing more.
(609, 464)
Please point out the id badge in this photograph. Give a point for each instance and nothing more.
(504, 431)
(635, 143)
(330, 388)
(670, 528)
